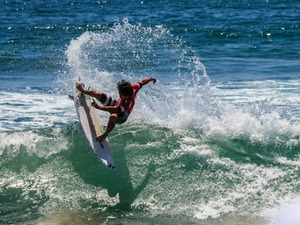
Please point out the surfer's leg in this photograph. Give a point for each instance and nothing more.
(107, 100)
(93, 93)
(110, 126)
(102, 97)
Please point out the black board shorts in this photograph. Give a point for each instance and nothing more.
(109, 101)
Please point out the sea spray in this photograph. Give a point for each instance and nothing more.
(187, 101)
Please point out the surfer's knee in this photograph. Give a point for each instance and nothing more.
(113, 117)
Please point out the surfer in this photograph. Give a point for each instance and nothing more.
(119, 109)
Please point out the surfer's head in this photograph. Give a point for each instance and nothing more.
(125, 89)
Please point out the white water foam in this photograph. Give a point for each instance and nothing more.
(34, 110)
(41, 144)
(287, 213)
(280, 92)
(264, 111)
(250, 193)
(257, 121)
(57, 181)
(230, 187)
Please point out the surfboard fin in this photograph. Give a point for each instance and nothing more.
(111, 166)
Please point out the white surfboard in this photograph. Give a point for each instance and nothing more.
(92, 127)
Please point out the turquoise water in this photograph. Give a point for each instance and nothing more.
(215, 141)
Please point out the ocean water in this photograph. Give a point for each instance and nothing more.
(215, 141)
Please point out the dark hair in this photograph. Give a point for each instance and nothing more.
(125, 88)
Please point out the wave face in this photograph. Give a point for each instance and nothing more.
(161, 172)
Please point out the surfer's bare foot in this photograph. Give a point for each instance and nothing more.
(80, 87)
(102, 137)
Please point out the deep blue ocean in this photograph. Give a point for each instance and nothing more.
(216, 141)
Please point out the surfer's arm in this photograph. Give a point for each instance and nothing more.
(145, 81)
(110, 109)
